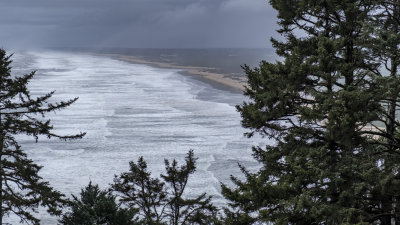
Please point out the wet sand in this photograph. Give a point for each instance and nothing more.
(201, 73)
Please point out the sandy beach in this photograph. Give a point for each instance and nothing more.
(201, 72)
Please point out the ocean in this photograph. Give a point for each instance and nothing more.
(132, 110)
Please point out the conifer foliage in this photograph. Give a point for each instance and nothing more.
(96, 206)
(22, 190)
(163, 201)
(330, 107)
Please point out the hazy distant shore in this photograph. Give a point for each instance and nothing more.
(201, 73)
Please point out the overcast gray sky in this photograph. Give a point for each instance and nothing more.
(136, 23)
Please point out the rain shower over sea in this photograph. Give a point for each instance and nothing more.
(130, 110)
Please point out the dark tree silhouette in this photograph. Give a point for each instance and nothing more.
(22, 190)
(330, 105)
(162, 201)
(96, 206)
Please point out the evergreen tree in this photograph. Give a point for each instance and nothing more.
(139, 191)
(22, 190)
(386, 27)
(182, 210)
(162, 202)
(95, 207)
(332, 161)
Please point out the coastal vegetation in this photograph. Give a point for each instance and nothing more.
(96, 206)
(22, 190)
(164, 201)
(331, 108)
(144, 199)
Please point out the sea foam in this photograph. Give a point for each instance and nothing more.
(128, 111)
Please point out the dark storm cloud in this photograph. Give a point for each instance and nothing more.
(136, 23)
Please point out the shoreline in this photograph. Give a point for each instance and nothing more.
(217, 80)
